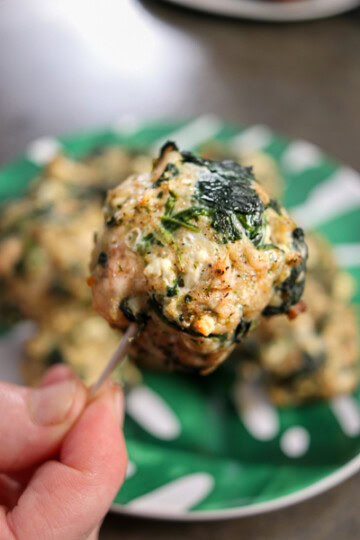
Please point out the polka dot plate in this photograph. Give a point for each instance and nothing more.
(194, 454)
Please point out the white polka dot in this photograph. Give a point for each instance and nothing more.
(252, 139)
(177, 496)
(333, 197)
(347, 413)
(149, 410)
(127, 125)
(197, 132)
(300, 156)
(295, 441)
(130, 469)
(256, 412)
(347, 254)
(43, 150)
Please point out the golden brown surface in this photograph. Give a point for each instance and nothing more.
(220, 284)
(45, 242)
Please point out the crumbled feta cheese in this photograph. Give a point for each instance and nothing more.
(161, 268)
(133, 238)
(202, 255)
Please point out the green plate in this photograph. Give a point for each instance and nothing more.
(194, 454)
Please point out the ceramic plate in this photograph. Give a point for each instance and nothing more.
(272, 10)
(193, 454)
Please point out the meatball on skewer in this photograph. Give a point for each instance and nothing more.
(194, 253)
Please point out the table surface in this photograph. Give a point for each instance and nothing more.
(62, 70)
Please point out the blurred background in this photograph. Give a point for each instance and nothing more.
(76, 64)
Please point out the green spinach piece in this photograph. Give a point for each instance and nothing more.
(170, 171)
(172, 223)
(241, 330)
(128, 313)
(291, 290)
(275, 205)
(144, 246)
(170, 203)
(225, 189)
(182, 218)
(157, 307)
(174, 290)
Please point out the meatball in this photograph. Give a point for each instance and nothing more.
(315, 356)
(194, 252)
(46, 237)
(78, 337)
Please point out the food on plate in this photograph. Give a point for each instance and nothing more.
(46, 237)
(45, 244)
(194, 251)
(313, 356)
(79, 338)
(263, 165)
(316, 355)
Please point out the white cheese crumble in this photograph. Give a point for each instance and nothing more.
(133, 238)
(161, 268)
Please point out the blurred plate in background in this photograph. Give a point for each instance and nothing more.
(272, 10)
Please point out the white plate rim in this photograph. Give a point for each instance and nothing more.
(302, 495)
(299, 10)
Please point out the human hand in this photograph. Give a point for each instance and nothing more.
(62, 458)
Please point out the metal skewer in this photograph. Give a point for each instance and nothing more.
(116, 358)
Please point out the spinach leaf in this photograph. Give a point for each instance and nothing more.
(274, 205)
(172, 223)
(170, 171)
(170, 203)
(157, 307)
(241, 330)
(225, 189)
(182, 218)
(291, 289)
(128, 313)
(144, 246)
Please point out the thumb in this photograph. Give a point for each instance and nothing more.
(34, 422)
(68, 497)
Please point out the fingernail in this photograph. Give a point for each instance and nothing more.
(56, 374)
(50, 405)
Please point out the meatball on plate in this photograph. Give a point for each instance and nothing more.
(195, 252)
(195, 256)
